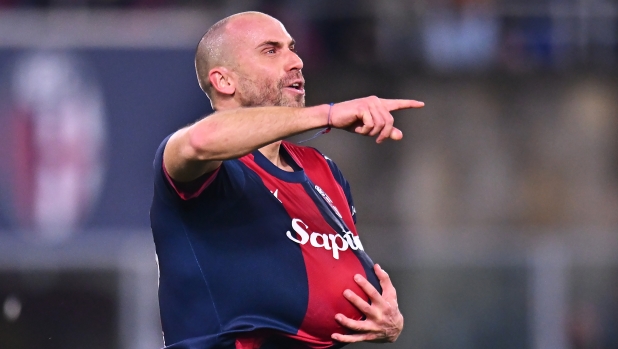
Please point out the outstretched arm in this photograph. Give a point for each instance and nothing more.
(200, 148)
(383, 322)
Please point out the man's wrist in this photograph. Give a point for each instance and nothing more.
(319, 116)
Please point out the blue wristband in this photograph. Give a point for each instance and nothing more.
(325, 130)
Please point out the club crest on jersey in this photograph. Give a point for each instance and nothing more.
(330, 242)
(328, 200)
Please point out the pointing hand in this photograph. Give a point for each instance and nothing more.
(371, 116)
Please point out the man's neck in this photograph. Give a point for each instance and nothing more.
(271, 152)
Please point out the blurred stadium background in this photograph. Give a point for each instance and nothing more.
(496, 216)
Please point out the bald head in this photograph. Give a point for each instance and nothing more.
(216, 48)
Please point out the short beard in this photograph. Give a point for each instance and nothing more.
(266, 93)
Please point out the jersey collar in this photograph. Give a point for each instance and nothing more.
(298, 176)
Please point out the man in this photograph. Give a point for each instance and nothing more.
(255, 237)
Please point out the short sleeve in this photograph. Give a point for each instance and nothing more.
(161, 185)
(219, 188)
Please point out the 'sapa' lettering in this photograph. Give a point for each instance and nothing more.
(304, 236)
(314, 240)
(349, 237)
(337, 248)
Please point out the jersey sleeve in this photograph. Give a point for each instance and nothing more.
(163, 187)
(172, 189)
(343, 183)
(192, 189)
(224, 178)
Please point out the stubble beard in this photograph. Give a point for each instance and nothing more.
(266, 93)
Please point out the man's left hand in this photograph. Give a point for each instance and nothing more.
(383, 322)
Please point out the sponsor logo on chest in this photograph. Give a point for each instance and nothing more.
(331, 242)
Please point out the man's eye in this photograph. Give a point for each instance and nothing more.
(272, 50)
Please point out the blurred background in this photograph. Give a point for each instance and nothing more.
(496, 215)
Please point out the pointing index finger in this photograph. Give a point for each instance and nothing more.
(396, 104)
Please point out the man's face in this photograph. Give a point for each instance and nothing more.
(267, 67)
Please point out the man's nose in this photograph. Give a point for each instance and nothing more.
(294, 62)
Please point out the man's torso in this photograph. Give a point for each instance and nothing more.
(259, 251)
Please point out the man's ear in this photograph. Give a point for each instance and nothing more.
(222, 81)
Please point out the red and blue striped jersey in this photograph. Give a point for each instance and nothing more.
(258, 257)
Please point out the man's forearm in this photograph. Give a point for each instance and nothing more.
(233, 133)
(230, 134)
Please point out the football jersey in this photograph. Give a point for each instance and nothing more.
(259, 257)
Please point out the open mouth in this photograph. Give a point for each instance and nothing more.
(297, 86)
